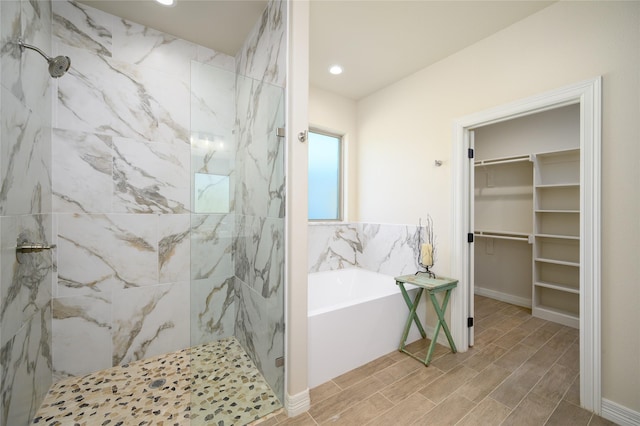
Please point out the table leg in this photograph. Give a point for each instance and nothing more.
(441, 324)
(412, 315)
(413, 306)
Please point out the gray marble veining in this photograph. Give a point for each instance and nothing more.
(387, 249)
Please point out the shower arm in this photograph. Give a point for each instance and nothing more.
(24, 45)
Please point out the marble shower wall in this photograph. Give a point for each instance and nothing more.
(25, 211)
(259, 194)
(387, 249)
(125, 118)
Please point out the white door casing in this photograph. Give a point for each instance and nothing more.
(588, 95)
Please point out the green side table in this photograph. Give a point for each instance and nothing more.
(432, 286)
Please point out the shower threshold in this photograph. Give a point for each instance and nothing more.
(211, 384)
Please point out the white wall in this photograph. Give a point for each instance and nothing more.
(405, 127)
(337, 114)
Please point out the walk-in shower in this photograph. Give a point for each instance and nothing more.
(58, 66)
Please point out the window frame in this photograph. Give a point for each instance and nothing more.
(341, 151)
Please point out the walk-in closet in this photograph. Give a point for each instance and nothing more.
(526, 205)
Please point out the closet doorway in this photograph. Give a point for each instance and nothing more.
(536, 198)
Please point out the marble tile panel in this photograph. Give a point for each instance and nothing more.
(10, 56)
(260, 330)
(144, 46)
(174, 247)
(211, 246)
(103, 95)
(36, 30)
(260, 171)
(104, 253)
(259, 252)
(208, 56)
(81, 334)
(25, 278)
(150, 177)
(150, 321)
(83, 26)
(25, 360)
(333, 247)
(82, 168)
(212, 309)
(389, 249)
(25, 159)
(263, 55)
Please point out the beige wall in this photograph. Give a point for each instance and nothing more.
(337, 114)
(405, 127)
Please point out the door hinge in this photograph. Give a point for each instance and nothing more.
(470, 153)
(470, 237)
(470, 322)
(280, 132)
(280, 361)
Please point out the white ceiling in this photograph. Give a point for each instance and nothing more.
(377, 42)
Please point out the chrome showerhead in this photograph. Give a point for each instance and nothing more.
(57, 66)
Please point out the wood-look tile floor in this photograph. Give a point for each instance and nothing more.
(521, 371)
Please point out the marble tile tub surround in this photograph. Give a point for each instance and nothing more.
(25, 210)
(383, 248)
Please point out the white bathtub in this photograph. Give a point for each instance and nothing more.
(355, 316)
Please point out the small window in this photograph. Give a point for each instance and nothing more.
(325, 176)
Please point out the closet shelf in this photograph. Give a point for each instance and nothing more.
(557, 262)
(557, 286)
(503, 235)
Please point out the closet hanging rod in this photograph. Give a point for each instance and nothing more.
(513, 236)
(507, 160)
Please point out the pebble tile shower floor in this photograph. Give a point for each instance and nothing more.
(211, 384)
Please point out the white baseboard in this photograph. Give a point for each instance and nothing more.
(297, 404)
(619, 414)
(503, 297)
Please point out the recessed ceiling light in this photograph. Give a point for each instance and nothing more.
(167, 2)
(335, 69)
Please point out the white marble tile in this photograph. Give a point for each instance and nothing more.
(83, 26)
(211, 246)
(10, 56)
(143, 46)
(260, 330)
(25, 278)
(25, 161)
(150, 321)
(102, 95)
(104, 253)
(212, 309)
(212, 119)
(36, 30)
(82, 172)
(81, 334)
(174, 251)
(260, 253)
(150, 177)
(333, 246)
(260, 156)
(25, 360)
(389, 249)
(208, 56)
(263, 55)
